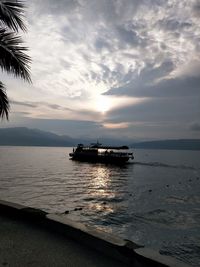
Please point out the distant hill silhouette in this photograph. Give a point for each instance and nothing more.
(22, 136)
(180, 144)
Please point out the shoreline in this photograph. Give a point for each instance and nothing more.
(106, 245)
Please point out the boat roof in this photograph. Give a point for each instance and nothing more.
(99, 145)
(110, 147)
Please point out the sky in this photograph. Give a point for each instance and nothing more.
(116, 68)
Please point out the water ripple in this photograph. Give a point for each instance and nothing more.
(154, 201)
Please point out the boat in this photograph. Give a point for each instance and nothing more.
(98, 153)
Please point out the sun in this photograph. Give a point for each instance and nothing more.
(103, 104)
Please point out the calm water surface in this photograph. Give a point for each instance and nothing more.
(154, 201)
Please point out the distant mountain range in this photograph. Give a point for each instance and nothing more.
(22, 136)
(180, 144)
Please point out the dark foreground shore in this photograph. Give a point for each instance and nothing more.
(31, 237)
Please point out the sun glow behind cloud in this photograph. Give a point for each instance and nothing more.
(121, 125)
(103, 104)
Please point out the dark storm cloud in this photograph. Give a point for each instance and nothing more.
(129, 37)
(196, 9)
(55, 7)
(53, 106)
(166, 88)
(173, 25)
(107, 74)
(39, 104)
(111, 11)
(22, 113)
(101, 44)
(160, 110)
(20, 103)
(195, 126)
(147, 84)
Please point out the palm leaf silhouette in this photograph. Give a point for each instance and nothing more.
(12, 56)
(12, 13)
(4, 103)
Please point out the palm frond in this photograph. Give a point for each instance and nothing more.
(12, 13)
(12, 56)
(4, 103)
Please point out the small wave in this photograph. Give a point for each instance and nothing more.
(187, 252)
(160, 164)
(169, 218)
(89, 199)
(194, 199)
(104, 199)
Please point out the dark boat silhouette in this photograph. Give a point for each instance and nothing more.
(99, 153)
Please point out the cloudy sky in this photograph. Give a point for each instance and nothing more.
(122, 68)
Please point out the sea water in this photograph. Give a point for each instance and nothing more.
(153, 201)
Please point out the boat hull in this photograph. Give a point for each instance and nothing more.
(101, 159)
